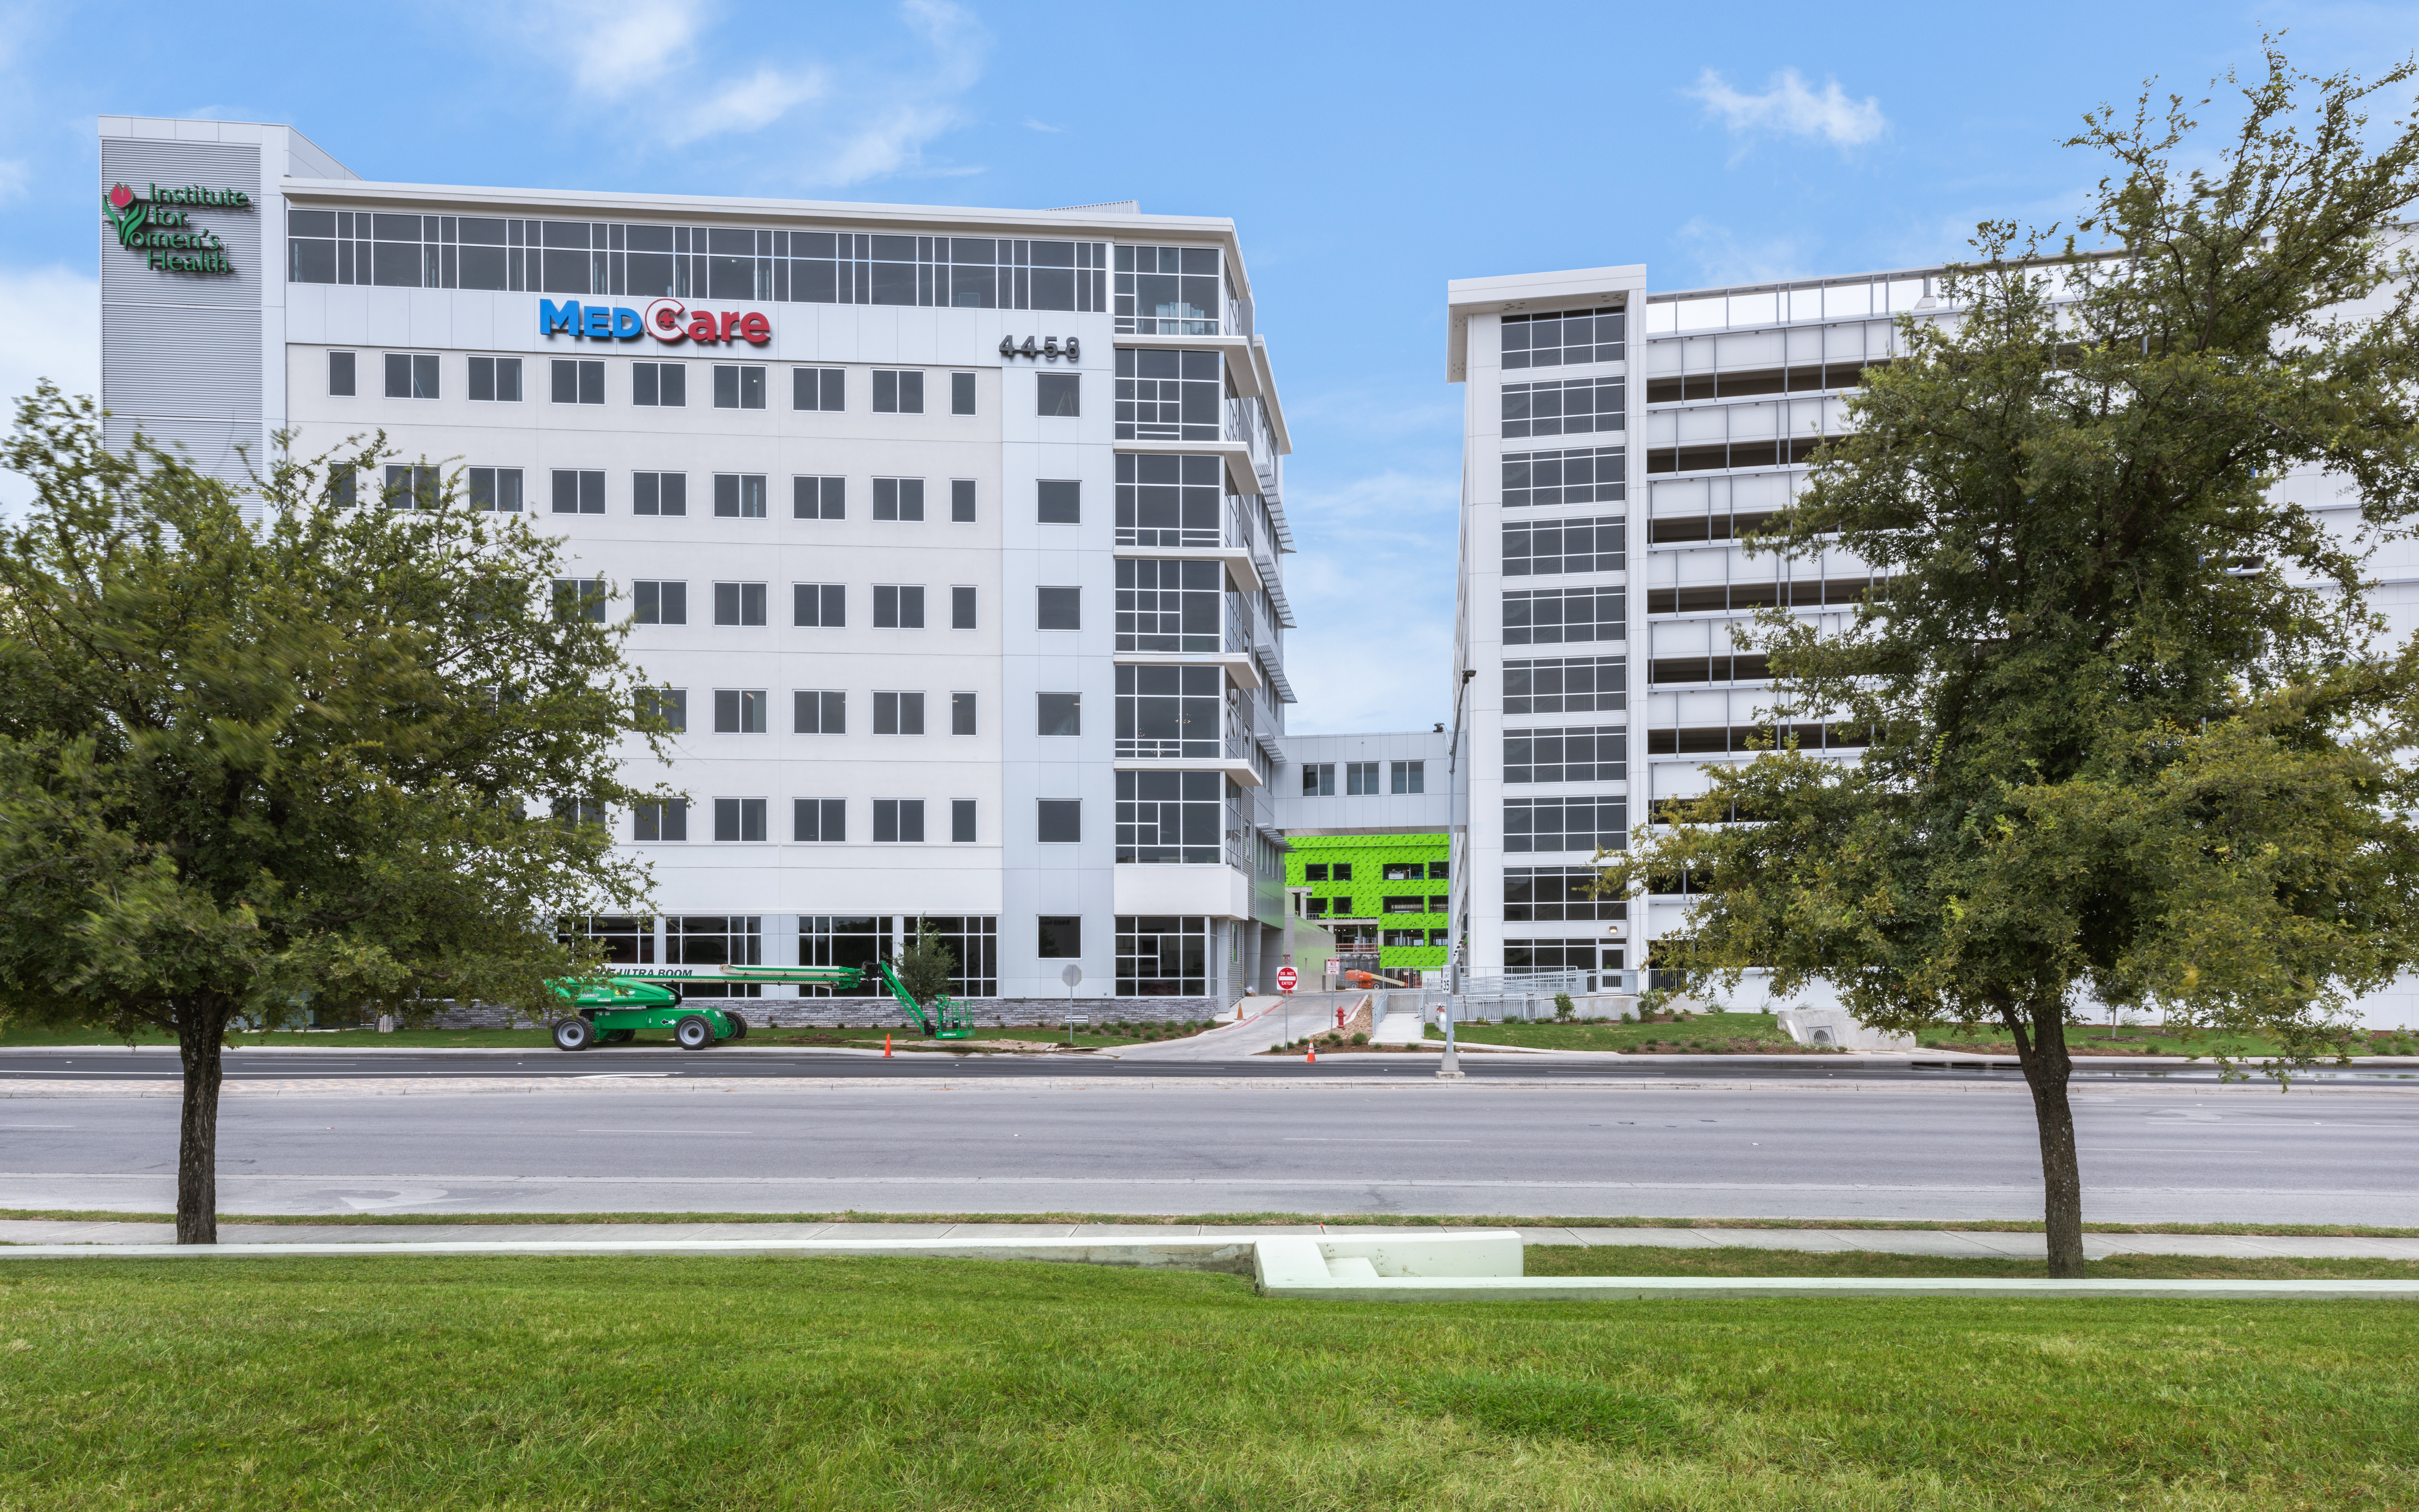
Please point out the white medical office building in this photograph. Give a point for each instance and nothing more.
(1616, 443)
(955, 536)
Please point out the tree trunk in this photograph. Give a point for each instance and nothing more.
(2047, 1069)
(200, 1041)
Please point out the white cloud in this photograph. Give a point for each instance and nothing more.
(617, 45)
(53, 318)
(1040, 126)
(1790, 108)
(752, 104)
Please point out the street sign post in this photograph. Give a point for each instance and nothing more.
(1286, 978)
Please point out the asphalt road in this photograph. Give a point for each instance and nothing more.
(983, 1143)
(159, 1064)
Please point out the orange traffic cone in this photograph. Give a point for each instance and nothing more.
(886, 1045)
(1313, 1054)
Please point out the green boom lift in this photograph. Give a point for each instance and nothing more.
(614, 1008)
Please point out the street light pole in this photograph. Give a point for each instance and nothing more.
(1449, 1068)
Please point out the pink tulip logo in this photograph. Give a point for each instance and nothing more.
(121, 197)
(126, 214)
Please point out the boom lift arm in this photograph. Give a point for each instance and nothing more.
(632, 998)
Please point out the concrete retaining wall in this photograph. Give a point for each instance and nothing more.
(884, 1013)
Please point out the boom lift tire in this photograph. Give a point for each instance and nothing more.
(738, 1023)
(620, 1036)
(693, 1032)
(573, 1033)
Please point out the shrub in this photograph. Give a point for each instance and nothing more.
(1564, 1007)
(1360, 1038)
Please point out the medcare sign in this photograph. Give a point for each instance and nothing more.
(159, 224)
(667, 320)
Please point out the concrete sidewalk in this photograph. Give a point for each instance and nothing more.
(1950, 1243)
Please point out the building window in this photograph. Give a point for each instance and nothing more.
(1575, 823)
(1720, 739)
(961, 713)
(572, 813)
(496, 378)
(715, 940)
(670, 704)
(739, 495)
(961, 821)
(578, 381)
(1555, 894)
(1549, 616)
(1166, 712)
(1318, 779)
(739, 819)
(496, 489)
(1162, 955)
(1577, 684)
(1061, 501)
(1713, 455)
(660, 823)
(1058, 608)
(411, 375)
(1406, 903)
(1060, 820)
(897, 714)
(664, 385)
(627, 940)
(819, 820)
(1059, 937)
(1058, 394)
(1409, 777)
(962, 606)
(898, 821)
(1361, 779)
(656, 602)
(1168, 291)
(1598, 475)
(1563, 338)
(1539, 548)
(1060, 714)
(1169, 501)
(415, 485)
(819, 388)
(340, 374)
(738, 603)
(738, 388)
(898, 607)
(659, 493)
(898, 392)
(1573, 407)
(1531, 958)
(1167, 396)
(579, 492)
(900, 499)
(819, 711)
(973, 941)
(1745, 667)
(821, 606)
(844, 940)
(1315, 871)
(1171, 817)
(580, 598)
(817, 499)
(739, 711)
(1801, 593)
(1597, 754)
(1169, 606)
(961, 394)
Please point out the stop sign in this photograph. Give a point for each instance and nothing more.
(1286, 978)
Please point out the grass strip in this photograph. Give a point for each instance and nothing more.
(1745, 1260)
(1333, 1220)
(910, 1384)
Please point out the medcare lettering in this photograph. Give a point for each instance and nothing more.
(662, 320)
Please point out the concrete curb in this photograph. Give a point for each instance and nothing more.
(1482, 1265)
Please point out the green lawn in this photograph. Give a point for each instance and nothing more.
(1756, 1033)
(883, 1384)
(1647, 1259)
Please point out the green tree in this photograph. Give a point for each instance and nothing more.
(247, 770)
(925, 966)
(2133, 739)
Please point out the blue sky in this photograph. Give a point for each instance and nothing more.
(1367, 152)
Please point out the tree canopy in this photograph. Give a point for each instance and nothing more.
(2135, 730)
(348, 754)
